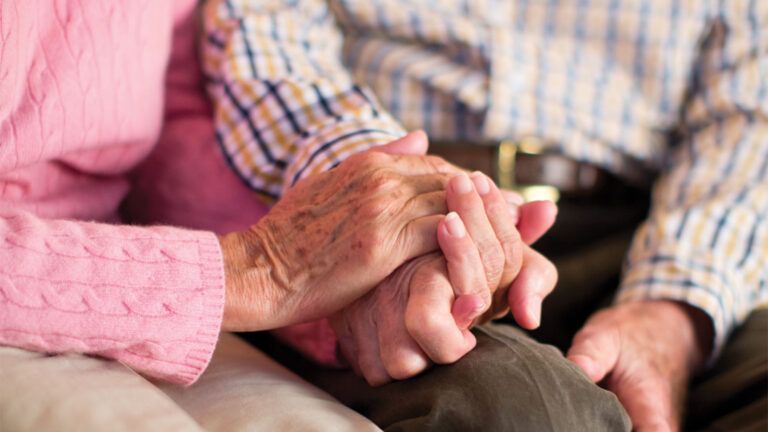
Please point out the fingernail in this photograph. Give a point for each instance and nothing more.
(461, 184)
(481, 183)
(533, 310)
(455, 225)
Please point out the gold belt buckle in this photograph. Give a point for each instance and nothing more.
(505, 170)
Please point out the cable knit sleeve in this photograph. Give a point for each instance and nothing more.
(151, 298)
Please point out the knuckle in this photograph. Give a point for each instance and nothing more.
(378, 177)
(438, 164)
(444, 177)
(374, 376)
(370, 160)
(512, 197)
(432, 321)
(427, 279)
(447, 354)
(424, 324)
(412, 324)
(374, 208)
(496, 207)
(439, 180)
(586, 335)
(511, 245)
(404, 366)
(462, 256)
(493, 258)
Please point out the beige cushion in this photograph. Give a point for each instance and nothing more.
(242, 390)
(78, 393)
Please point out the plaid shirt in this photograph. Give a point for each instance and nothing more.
(679, 86)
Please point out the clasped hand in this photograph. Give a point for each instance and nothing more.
(369, 245)
(421, 313)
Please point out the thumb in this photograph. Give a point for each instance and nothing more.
(415, 143)
(535, 218)
(466, 308)
(595, 350)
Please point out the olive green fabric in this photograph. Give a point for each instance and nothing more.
(511, 382)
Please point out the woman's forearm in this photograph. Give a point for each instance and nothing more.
(251, 297)
(151, 298)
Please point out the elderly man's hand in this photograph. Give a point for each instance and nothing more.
(644, 352)
(383, 338)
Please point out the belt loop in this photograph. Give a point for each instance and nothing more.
(505, 164)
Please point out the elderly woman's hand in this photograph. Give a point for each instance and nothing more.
(333, 237)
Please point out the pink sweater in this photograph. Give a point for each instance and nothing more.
(88, 90)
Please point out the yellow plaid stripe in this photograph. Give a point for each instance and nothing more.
(602, 81)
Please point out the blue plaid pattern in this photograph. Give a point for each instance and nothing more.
(680, 87)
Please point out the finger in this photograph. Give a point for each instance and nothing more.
(415, 143)
(536, 280)
(423, 205)
(595, 350)
(418, 237)
(465, 200)
(428, 316)
(413, 186)
(427, 183)
(540, 215)
(375, 160)
(365, 339)
(467, 309)
(465, 270)
(647, 399)
(420, 165)
(344, 338)
(534, 219)
(512, 198)
(400, 354)
(502, 219)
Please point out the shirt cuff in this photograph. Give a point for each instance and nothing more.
(667, 276)
(329, 147)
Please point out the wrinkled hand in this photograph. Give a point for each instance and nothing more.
(383, 338)
(413, 318)
(333, 237)
(516, 276)
(491, 221)
(645, 353)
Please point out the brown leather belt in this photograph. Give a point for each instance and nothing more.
(537, 174)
